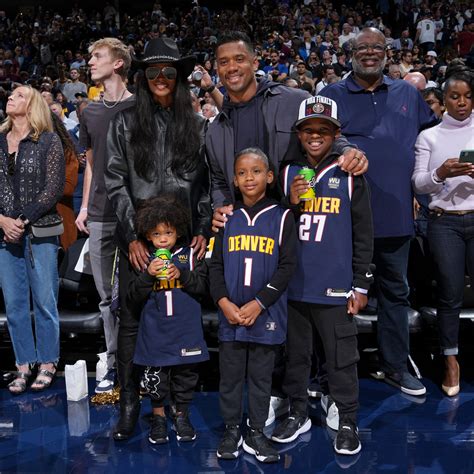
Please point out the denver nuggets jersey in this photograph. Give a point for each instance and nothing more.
(250, 250)
(170, 331)
(324, 251)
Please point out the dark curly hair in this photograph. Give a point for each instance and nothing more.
(165, 209)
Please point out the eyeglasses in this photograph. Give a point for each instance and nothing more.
(432, 102)
(364, 48)
(168, 72)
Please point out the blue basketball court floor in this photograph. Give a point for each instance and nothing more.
(400, 434)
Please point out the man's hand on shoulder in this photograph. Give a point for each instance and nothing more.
(219, 218)
(353, 161)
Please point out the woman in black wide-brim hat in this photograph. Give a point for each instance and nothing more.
(153, 148)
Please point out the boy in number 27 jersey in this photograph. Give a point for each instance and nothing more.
(332, 277)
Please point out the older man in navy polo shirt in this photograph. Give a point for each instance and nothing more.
(383, 117)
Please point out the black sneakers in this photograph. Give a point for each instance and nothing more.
(158, 430)
(259, 445)
(347, 439)
(183, 427)
(289, 429)
(230, 443)
(406, 383)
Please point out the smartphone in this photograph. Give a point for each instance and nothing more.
(466, 156)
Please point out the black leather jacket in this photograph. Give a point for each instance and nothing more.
(125, 188)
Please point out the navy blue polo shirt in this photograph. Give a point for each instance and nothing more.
(384, 124)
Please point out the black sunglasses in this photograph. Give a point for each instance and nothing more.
(168, 72)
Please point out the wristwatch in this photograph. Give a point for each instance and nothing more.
(210, 90)
(23, 219)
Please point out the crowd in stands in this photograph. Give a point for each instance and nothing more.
(304, 44)
(312, 46)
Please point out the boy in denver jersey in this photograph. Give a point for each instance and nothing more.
(170, 339)
(252, 262)
(332, 278)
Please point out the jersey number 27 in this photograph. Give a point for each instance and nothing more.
(306, 227)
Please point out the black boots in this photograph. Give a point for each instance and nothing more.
(129, 413)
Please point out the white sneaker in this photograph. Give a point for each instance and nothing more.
(278, 406)
(107, 384)
(332, 413)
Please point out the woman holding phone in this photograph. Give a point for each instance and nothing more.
(449, 181)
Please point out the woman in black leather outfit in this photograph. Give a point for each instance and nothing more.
(155, 147)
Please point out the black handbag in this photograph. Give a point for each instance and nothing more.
(50, 225)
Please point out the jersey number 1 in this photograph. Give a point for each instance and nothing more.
(169, 303)
(248, 271)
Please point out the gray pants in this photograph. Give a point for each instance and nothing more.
(102, 251)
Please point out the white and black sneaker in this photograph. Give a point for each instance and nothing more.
(332, 413)
(108, 382)
(278, 406)
(347, 439)
(259, 445)
(158, 430)
(289, 429)
(183, 427)
(230, 443)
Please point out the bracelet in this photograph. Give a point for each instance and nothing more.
(260, 303)
(210, 90)
(83, 209)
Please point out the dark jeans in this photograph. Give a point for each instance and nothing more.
(128, 373)
(391, 290)
(337, 332)
(257, 361)
(451, 239)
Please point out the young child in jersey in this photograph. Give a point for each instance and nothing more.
(332, 278)
(252, 261)
(170, 339)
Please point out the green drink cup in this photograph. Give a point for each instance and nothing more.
(308, 174)
(165, 255)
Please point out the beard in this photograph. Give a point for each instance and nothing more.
(369, 73)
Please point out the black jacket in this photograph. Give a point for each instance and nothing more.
(361, 213)
(125, 188)
(279, 112)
